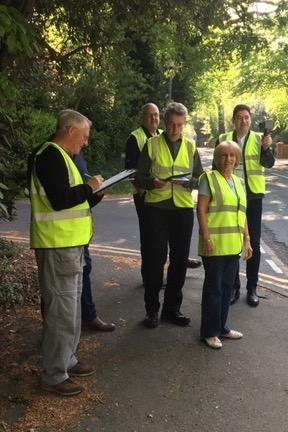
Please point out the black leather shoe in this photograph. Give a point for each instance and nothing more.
(235, 297)
(252, 297)
(193, 263)
(176, 318)
(151, 321)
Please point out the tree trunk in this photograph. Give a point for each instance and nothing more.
(221, 117)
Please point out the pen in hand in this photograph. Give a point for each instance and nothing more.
(87, 176)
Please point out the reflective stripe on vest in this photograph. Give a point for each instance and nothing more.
(63, 228)
(163, 166)
(226, 215)
(254, 171)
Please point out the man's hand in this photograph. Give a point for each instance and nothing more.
(266, 141)
(159, 184)
(95, 182)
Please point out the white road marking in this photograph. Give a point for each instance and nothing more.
(262, 250)
(274, 266)
(279, 175)
(112, 248)
(93, 247)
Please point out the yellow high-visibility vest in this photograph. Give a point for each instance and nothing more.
(141, 137)
(251, 155)
(226, 215)
(163, 166)
(58, 229)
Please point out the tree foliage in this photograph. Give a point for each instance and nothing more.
(108, 57)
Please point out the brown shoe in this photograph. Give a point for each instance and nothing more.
(81, 370)
(65, 388)
(98, 325)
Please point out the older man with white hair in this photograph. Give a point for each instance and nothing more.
(61, 225)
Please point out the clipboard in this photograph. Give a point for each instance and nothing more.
(177, 177)
(115, 179)
(183, 180)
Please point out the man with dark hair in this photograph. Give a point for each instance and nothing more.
(256, 156)
(169, 214)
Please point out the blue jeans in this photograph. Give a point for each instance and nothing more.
(88, 309)
(220, 273)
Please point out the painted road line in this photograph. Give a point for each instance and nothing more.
(278, 175)
(98, 251)
(8, 236)
(274, 262)
(262, 250)
(274, 266)
(274, 278)
(268, 281)
(93, 247)
(270, 285)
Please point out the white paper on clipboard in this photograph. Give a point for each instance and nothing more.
(115, 179)
(183, 180)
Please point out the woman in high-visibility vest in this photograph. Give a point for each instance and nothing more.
(223, 234)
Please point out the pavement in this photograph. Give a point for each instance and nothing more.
(166, 379)
(281, 162)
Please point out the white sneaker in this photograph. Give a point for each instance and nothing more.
(213, 342)
(233, 334)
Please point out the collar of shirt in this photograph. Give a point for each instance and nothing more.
(173, 146)
(241, 141)
(147, 133)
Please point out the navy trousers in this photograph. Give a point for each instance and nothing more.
(220, 272)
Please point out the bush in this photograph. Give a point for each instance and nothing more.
(42, 127)
(21, 286)
(9, 166)
(7, 249)
(283, 136)
(10, 290)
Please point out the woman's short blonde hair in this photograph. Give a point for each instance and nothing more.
(231, 145)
